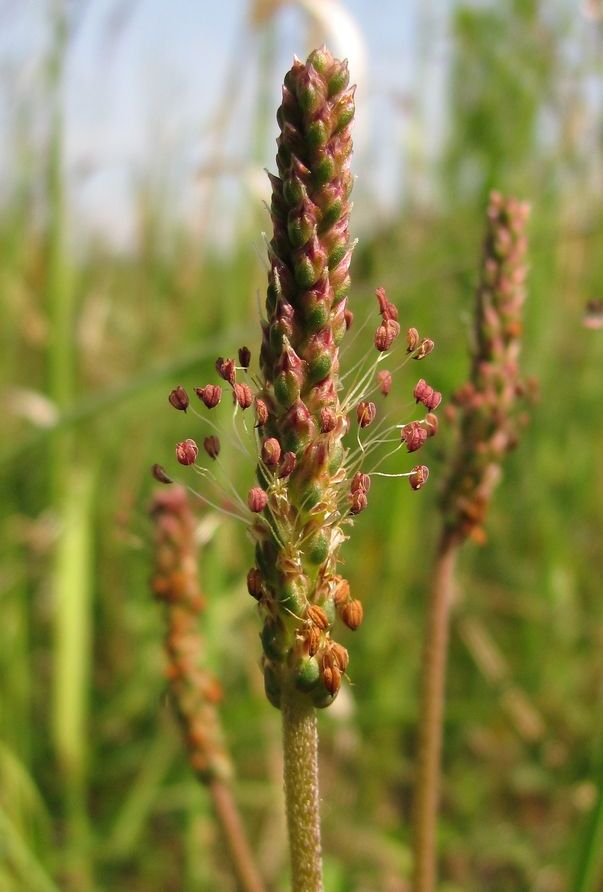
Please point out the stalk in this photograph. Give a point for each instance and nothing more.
(487, 426)
(300, 751)
(431, 715)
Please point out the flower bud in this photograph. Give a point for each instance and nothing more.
(244, 357)
(384, 380)
(211, 445)
(365, 413)
(254, 583)
(271, 452)
(178, 398)
(352, 614)
(242, 395)
(317, 617)
(226, 369)
(187, 452)
(287, 465)
(257, 499)
(418, 476)
(413, 435)
(261, 412)
(159, 474)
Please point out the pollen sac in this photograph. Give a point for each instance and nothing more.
(242, 395)
(159, 474)
(178, 398)
(358, 502)
(261, 412)
(424, 349)
(317, 617)
(352, 614)
(254, 583)
(211, 445)
(187, 452)
(384, 380)
(341, 594)
(365, 413)
(210, 395)
(425, 394)
(413, 340)
(386, 334)
(257, 499)
(413, 436)
(328, 420)
(287, 465)
(226, 369)
(244, 357)
(340, 656)
(418, 476)
(388, 310)
(431, 424)
(349, 319)
(271, 452)
(360, 483)
(331, 678)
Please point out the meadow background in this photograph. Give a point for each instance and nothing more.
(134, 135)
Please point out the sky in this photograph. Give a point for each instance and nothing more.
(144, 79)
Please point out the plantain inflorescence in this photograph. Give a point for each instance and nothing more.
(310, 481)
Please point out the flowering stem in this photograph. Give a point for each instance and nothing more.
(431, 715)
(300, 752)
(229, 819)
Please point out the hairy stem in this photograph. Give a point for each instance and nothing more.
(230, 821)
(300, 751)
(431, 717)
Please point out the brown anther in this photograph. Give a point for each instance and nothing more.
(178, 398)
(341, 656)
(159, 474)
(257, 499)
(244, 357)
(287, 465)
(431, 424)
(210, 395)
(425, 348)
(349, 319)
(358, 501)
(331, 678)
(384, 380)
(242, 395)
(413, 340)
(360, 482)
(387, 309)
(386, 334)
(317, 617)
(352, 614)
(312, 639)
(226, 369)
(211, 445)
(413, 435)
(271, 452)
(261, 412)
(254, 583)
(341, 595)
(187, 452)
(424, 393)
(365, 413)
(418, 476)
(328, 420)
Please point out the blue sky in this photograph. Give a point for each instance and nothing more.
(143, 79)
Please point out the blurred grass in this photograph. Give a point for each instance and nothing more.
(95, 792)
